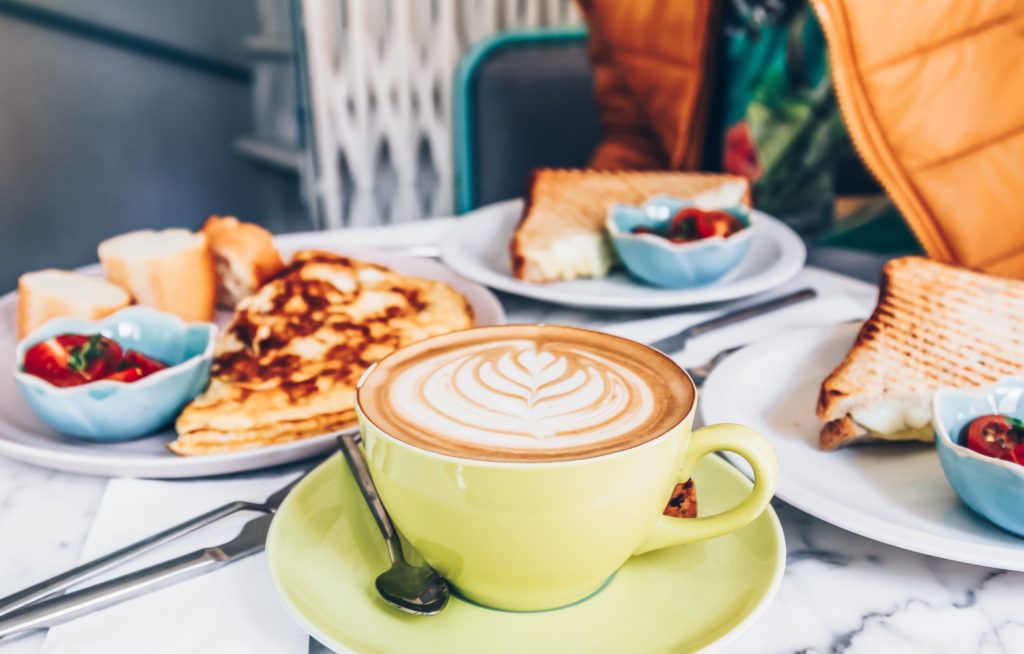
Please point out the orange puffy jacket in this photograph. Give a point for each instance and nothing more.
(932, 94)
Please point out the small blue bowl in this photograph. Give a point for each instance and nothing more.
(113, 410)
(660, 262)
(991, 487)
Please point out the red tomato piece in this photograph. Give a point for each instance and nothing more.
(126, 375)
(49, 360)
(146, 365)
(717, 223)
(997, 436)
(73, 359)
(683, 223)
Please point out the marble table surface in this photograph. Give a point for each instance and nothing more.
(841, 594)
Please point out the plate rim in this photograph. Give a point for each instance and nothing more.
(856, 521)
(771, 589)
(153, 466)
(456, 255)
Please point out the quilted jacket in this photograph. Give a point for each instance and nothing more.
(932, 94)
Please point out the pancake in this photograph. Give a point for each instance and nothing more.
(287, 366)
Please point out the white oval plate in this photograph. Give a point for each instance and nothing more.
(478, 247)
(892, 493)
(24, 437)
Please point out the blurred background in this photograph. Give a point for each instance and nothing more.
(307, 114)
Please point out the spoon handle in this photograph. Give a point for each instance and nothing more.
(356, 462)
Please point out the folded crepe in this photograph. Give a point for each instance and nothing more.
(287, 366)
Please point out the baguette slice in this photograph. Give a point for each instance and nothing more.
(51, 293)
(561, 234)
(935, 326)
(244, 256)
(170, 270)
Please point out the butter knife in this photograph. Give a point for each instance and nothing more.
(677, 342)
(250, 540)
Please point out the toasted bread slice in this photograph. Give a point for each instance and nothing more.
(49, 294)
(561, 234)
(935, 326)
(170, 270)
(244, 256)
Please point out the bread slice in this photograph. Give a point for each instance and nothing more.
(170, 270)
(935, 326)
(561, 234)
(49, 294)
(244, 257)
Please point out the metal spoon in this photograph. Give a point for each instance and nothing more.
(419, 590)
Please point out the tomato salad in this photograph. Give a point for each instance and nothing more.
(997, 436)
(692, 224)
(76, 359)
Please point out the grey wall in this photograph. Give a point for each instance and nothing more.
(98, 137)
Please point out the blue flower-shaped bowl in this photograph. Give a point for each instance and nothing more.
(113, 410)
(991, 487)
(660, 262)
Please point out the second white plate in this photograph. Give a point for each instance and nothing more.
(895, 494)
(478, 247)
(24, 437)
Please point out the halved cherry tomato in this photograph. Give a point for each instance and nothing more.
(997, 436)
(146, 365)
(717, 223)
(73, 359)
(683, 223)
(127, 375)
(692, 224)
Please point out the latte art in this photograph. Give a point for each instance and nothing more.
(519, 393)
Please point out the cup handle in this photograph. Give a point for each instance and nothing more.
(744, 441)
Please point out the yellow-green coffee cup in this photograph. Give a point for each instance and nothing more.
(535, 536)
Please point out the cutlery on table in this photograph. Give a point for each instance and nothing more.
(47, 613)
(699, 374)
(677, 342)
(92, 568)
(419, 590)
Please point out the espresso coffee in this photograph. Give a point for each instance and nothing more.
(526, 393)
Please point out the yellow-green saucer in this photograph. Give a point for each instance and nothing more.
(324, 552)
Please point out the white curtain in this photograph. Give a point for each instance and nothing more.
(380, 87)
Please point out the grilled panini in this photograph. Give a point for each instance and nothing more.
(562, 235)
(287, 366)
(935, 326)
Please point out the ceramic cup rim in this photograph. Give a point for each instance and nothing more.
(462, 460)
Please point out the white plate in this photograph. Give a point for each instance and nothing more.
(894, 493)
(478, 247)
(23, 436)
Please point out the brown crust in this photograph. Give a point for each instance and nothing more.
(517, 258)
(683, 503)
(246, 241)
(839, 432)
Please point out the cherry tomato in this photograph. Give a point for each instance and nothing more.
(126, 375)
(998, 436)
(146, 365)
(683, 223)
(717, 223)
(73, 359)
(49, 360)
